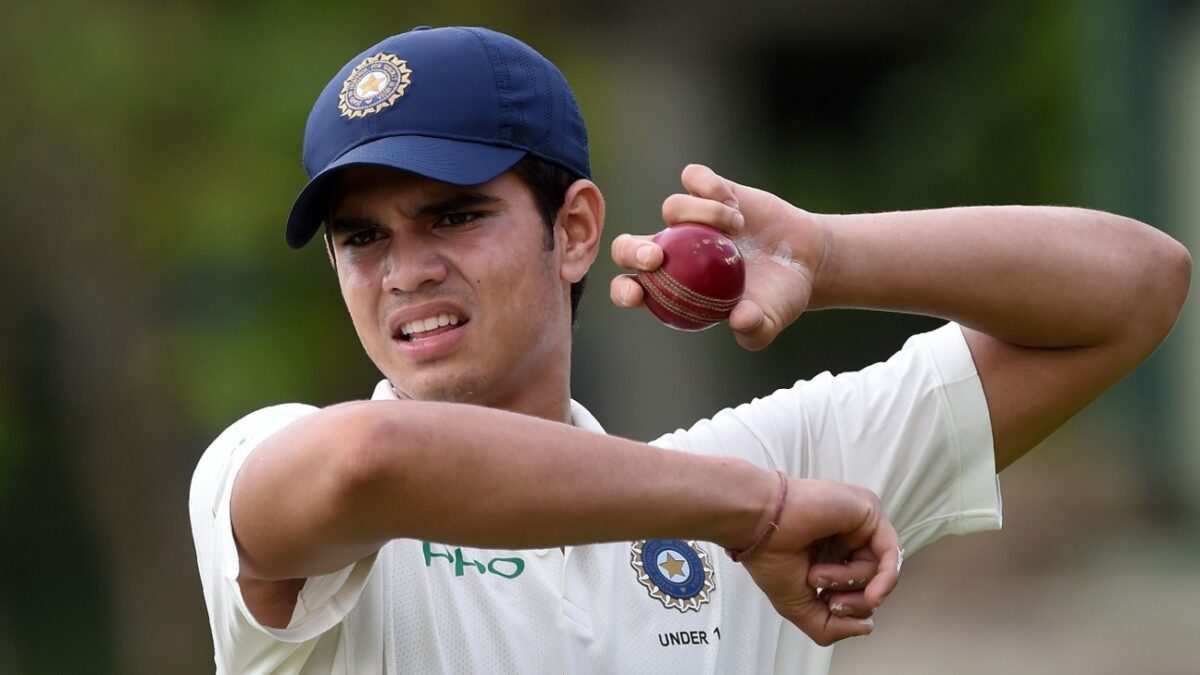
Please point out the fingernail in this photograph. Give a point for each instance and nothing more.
(627, 296)
(739, 221)
(869, 623)
(643, 255)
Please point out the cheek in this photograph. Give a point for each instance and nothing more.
(533, 291)
(360, 293)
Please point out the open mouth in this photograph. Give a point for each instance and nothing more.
(421, 329)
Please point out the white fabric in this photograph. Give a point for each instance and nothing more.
(914, 429)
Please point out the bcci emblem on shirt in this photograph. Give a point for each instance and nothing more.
(676, 573)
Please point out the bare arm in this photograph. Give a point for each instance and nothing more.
(333, 487)
(1057, 304)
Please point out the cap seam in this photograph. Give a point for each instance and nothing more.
(496, 61)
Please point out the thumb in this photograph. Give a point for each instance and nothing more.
(751, 326)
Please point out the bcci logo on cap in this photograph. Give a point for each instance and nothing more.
(373, 85)
(677, 573)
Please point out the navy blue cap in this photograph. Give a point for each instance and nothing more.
(457, 105)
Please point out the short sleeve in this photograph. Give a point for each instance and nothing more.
(243, 644)
(914, 429)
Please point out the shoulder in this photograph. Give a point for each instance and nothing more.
(208, 508)
(268, 420)
(226, 453)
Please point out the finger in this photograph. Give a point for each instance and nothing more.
(862, 520)
(853, 605)
(746, 317)
(752, 328)
(703, 182)
(814, 617)
(853, 575)
(636, 252)
(625, 291)
(886, 545)
(865, 526)
(692, 209)
(835, 628)
(836, 553)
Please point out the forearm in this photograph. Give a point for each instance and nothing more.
(1033, 276)
(335, 486)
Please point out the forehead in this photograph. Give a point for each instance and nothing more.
(361, 185)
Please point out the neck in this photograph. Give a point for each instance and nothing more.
(545, 389)
(545, 392)
(547, 396)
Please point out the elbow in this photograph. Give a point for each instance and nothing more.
(371, 451)
(1183, 266)
(1177, 281)
(313, 492)
(385, 455)
(1162, 300)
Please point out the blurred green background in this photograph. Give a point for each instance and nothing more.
(150, 153)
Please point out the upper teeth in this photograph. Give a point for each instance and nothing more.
(422, 325)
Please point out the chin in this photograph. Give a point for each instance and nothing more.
(446, 390)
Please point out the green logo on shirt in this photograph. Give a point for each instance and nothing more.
(508, 568)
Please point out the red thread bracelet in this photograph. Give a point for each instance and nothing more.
(739, 556)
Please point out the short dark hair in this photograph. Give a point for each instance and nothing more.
(548, 183)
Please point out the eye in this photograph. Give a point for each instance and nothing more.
(457, 218)
(362, 237)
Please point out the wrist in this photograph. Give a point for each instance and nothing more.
(749, 497)
(825, 269)
(766, 532)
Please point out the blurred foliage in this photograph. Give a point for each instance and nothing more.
(151, 153)
(983, 115)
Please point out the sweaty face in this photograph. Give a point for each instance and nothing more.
(451, 289)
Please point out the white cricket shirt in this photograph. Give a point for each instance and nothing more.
(914, 429)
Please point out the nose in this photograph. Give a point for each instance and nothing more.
(412, 264)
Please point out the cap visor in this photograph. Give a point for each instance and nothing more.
(449, 161)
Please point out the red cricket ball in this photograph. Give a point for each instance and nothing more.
(701, 278)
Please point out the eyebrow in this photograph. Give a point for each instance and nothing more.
(343, 225)
(458, 202)
(451, 204)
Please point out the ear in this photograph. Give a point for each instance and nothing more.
(578, 228)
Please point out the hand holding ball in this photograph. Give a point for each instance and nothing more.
(701, 279)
